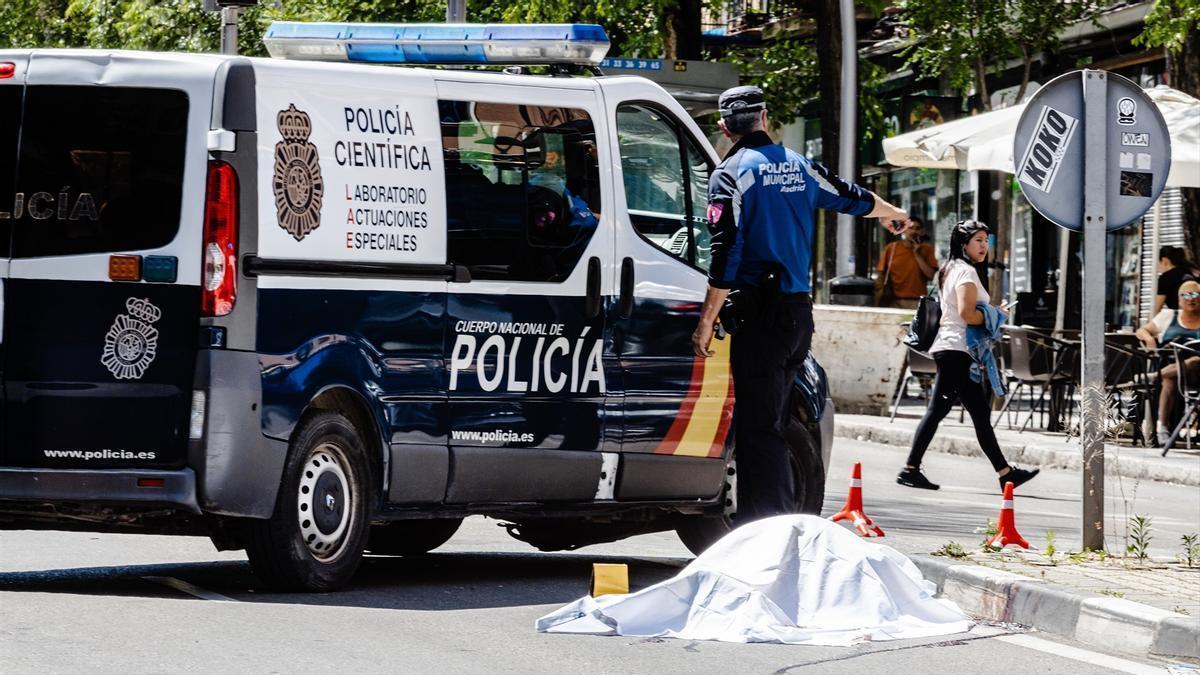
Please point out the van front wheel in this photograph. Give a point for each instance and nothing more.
(314, 540)
(808, 474)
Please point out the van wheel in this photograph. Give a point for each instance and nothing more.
(314, 540)
(411, 537)
(808, 474)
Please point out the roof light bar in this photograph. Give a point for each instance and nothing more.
(441, 44)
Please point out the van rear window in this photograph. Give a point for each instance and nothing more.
(100, 169)
(10, 129)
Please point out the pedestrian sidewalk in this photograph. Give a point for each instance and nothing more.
(1050, 450)
(1123, 604)
(1139, 608)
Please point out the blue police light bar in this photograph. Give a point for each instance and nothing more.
(439, 43)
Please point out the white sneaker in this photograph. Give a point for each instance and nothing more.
(1164, 435)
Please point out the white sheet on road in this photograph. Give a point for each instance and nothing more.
(789, 579)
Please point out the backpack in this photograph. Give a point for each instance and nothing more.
(924, 326)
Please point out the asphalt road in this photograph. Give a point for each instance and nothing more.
(129, 603)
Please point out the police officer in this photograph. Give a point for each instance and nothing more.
(762, 202)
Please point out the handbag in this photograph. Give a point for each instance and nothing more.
(923, 329)
(885, 295)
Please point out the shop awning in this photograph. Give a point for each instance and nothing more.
(984, 142)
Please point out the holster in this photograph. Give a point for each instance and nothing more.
(746, 304)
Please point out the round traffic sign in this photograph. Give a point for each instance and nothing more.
(1049, 150)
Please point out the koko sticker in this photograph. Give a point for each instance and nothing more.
(1043, 158)
(132, 342)
(297, 183)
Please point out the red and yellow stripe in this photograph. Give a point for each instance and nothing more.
(700, 427)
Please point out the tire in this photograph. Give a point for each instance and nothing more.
(411, 537)
(314, 540)
(808, 474)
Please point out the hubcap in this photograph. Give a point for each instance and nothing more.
(325, 502)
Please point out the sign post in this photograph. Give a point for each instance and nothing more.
(1092, 155)
(1095, 208)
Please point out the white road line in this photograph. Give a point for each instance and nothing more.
(1076, 654)
(1032, 512)
(191, 589)
(963, 502)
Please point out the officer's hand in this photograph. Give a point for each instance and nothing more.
(701, 338)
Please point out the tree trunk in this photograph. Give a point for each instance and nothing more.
(1183, 69)
(985, 100)
(681, 30)
(829, 79)
(1027, 56)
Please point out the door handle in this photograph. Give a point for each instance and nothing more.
(625, 303)
(592, 305)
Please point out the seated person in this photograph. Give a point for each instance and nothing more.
(1181, 325)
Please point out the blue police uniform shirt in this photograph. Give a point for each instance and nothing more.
(762, 202)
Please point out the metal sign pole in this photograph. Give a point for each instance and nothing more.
(229, 29)
(1095, 210)
(847, 133)
(456, 11)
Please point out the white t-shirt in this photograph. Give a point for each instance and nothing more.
(952, 331)
(1162, 320)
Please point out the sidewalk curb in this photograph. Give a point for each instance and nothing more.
(1036, 453)
(1108, 623)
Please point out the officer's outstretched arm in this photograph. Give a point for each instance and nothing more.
(890, 216)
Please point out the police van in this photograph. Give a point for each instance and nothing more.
(313, 305)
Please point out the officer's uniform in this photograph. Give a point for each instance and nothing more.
(761, 213)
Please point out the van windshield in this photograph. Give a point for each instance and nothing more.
(98, 169)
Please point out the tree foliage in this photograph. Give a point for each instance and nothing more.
(1170, 24)
(181, 25)
(961, 40)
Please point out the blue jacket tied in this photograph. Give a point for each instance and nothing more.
(980, 340)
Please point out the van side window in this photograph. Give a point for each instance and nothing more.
(666, 183)
(100, 170)
(522, 188)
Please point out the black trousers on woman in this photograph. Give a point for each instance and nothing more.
(953, 384)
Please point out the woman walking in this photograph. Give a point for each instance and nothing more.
(961, 288)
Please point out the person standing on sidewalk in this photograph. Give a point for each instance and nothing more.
(960, 282)
(1176, 269)
(908, 265)
(762, 204)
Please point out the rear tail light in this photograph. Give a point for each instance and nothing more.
(220, 241)
(7, 70)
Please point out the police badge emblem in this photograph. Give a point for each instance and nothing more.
(131, 342)
(298, 184)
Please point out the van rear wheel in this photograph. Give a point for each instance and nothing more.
(411, 537)
(808, 475)
(314, 540)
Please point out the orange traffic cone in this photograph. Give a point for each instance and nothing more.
(853, 510)
(1008, 527)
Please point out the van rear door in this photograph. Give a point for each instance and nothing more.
(102, 302)
(12, 89)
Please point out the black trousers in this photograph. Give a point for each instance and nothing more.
(766, 355)
(952, 384)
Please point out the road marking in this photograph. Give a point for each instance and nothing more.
(1083, 655)
(963, 502)
(190, 589)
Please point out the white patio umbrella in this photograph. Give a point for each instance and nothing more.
(984, 142)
